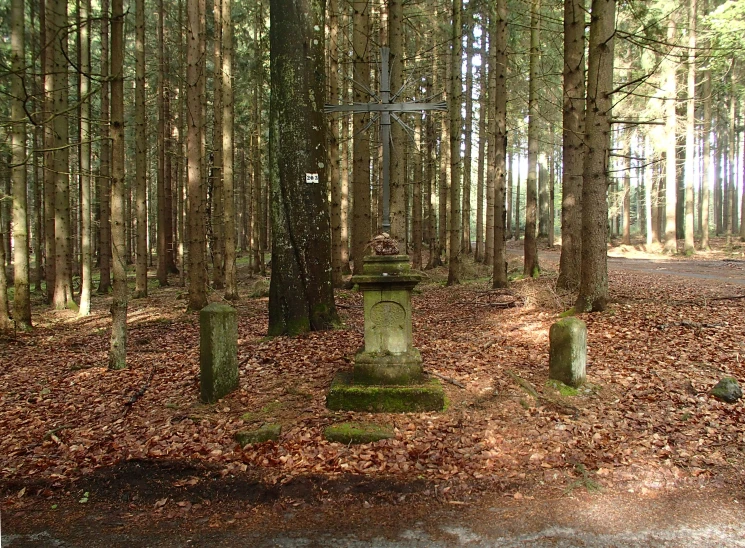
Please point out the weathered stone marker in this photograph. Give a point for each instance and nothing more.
(218, 351)
(568, 351)
(387, 375)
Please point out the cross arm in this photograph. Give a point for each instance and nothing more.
(386, 107)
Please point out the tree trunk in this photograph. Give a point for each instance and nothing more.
(63, 296)
(228, 155)
(161, 237)
(5, 321)
(416, 210)
(118, 347)
(22, 295)
(218, 211)
(626, 237)
(85, 161)
(104, 179)
(671, 185)
(301, 296)
(141, 254)
(398, 138)
(361, 215)
(573, 147)
(593, 290)
(466, 208)
(196, 213)
(483, 87)
(455, 100)
(730, 190)
(499, 66)
(530, 255)
(333, 145)
(689, 247)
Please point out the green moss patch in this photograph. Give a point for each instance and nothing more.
(268, 432)
(357, 432)
(563, 389)
(344, 395)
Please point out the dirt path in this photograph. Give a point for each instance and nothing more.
(691, 519)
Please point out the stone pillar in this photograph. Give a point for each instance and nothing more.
(568, 351)
(218, 351)
(389, 356)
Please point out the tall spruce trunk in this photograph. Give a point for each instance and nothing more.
(483, 86)
(530, 254)
(573, 147)
(228, 154)
(361, 215)
(196, 207)
(671, 184)
(499, 67)
(22, 294)
(104, 171)
(398, 179)
(118, 346)
(689, 247)
(301, 296)
(466, 207)
(333, 145)
(455, 100)
(141, 254)
(161, 238)
(593, 290)
(86, 240)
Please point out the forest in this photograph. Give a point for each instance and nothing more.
(539, 158)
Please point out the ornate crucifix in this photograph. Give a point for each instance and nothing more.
(383, 104)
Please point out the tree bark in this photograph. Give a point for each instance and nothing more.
(196, 213)
(104, 179)
(218, 212)
(85, 161)
(361, 215)
(689, 246)
(573, 147)
(141, 254)
(333, 145)
(455, 100)
(22, 294)
(466, 207)
(483, 86)
(118, 346)
(530, 255)
(228, 155)
(301, 296)
(161, 237)
(593, 290)
(499, 67)
(398, 139)
(671, 185)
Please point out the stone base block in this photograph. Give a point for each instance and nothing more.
(346, 395)
(376, 368)
(357, 433)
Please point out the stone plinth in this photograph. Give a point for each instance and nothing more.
(568, 351)
(389, 356)
(387, 373)
(218, 351)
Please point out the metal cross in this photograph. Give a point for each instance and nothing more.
(383, 104)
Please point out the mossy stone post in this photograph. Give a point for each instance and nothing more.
(387, 374)
(218, 351)
(568, 351)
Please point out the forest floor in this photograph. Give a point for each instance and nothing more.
(642, 447)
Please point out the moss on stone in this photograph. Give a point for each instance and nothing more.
(268, 432)
(344, 395)
(357, 433)
(568, 313)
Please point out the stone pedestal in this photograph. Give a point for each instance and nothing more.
(387, 373)
(218, 351)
